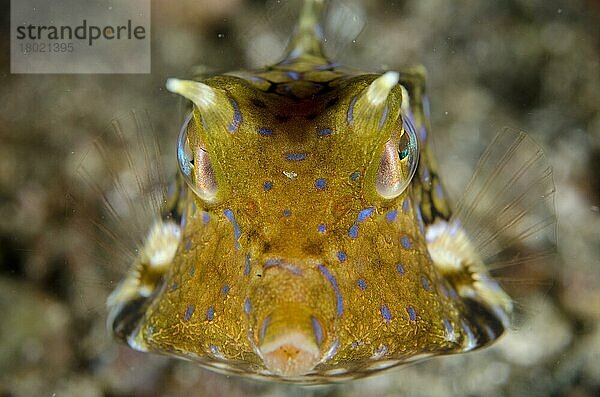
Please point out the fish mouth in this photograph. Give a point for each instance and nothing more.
(293, 354)
(290, 341)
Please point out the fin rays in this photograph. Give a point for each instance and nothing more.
(508, 206)
(138, 189)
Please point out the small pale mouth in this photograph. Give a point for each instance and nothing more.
(290, 341)
(292, 354)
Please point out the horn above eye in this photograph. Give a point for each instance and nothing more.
(398, 162)
(195, 165)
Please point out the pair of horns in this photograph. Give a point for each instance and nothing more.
(369, 111)
(213, 108)
(202, 95)
(206, 98)
(381, 87)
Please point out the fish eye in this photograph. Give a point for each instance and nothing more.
(398, 162)
(195, 165)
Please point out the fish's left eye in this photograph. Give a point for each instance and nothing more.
(398, 162)
(195, 165)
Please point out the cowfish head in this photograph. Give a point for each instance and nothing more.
(301, 252)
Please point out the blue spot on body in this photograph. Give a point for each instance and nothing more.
(214, 349)
(362, 284)
(336, 289)
(384, 116)
(268, 185)
(470, 335)
(205, 217)
(325, 132)
(448, 291)
(420, 219)
(254, 78)
(184, 217)
(405, 205)
(321, 183)
(453, 293)
(350, 114)
(272, 263)
(354, 176)
(174, 286)
(381, 350)
(188, 313)
(327, 66)
(426, 107)
(439, 192)
(353, 231)
(263, 328)
(412, 314)
(405, 241)
(247, 265)
(237, 116)
(425, 284)
(247, 305)
(322, 228)
(236, 228)
(426, 175)
(294, 75)
(210, 313)
(400, 269)
(423, 133)
(295, 156)
(444, 290)
(391, 215)
(225, 289)
(334, 349)
(364, 214)
(188, 245)
(265, 131)
(342, 256)
(385, 313)
(317, 329)
(287, 212)
(448, 326)
(284, 265)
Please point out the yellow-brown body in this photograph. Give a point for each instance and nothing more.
(301, 250)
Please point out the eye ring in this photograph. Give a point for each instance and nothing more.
(185, 164)
(411, 148)
(398, 163)
(195, 167)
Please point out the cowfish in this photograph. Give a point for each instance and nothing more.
(309, 237)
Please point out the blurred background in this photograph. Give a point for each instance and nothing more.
(528, 64)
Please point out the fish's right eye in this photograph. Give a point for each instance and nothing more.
(195, 165)
(398, 162)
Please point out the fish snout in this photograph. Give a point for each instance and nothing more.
(290, 341)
